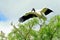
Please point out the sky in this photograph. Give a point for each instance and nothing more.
(12, 10)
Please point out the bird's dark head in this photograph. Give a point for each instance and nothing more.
(27, 16)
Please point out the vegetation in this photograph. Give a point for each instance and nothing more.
(25, 31)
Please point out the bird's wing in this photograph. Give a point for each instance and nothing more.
(46, 11)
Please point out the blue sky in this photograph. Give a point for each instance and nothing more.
(3, 18)
(11, 10)
(14, 9)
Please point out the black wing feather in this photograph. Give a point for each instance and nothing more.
(48, 11)
(23, 18)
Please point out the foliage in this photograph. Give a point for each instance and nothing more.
(2, 36)
(24, 31)
(52, 30)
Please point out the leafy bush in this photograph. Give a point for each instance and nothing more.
(46, 32)
(50, 31)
